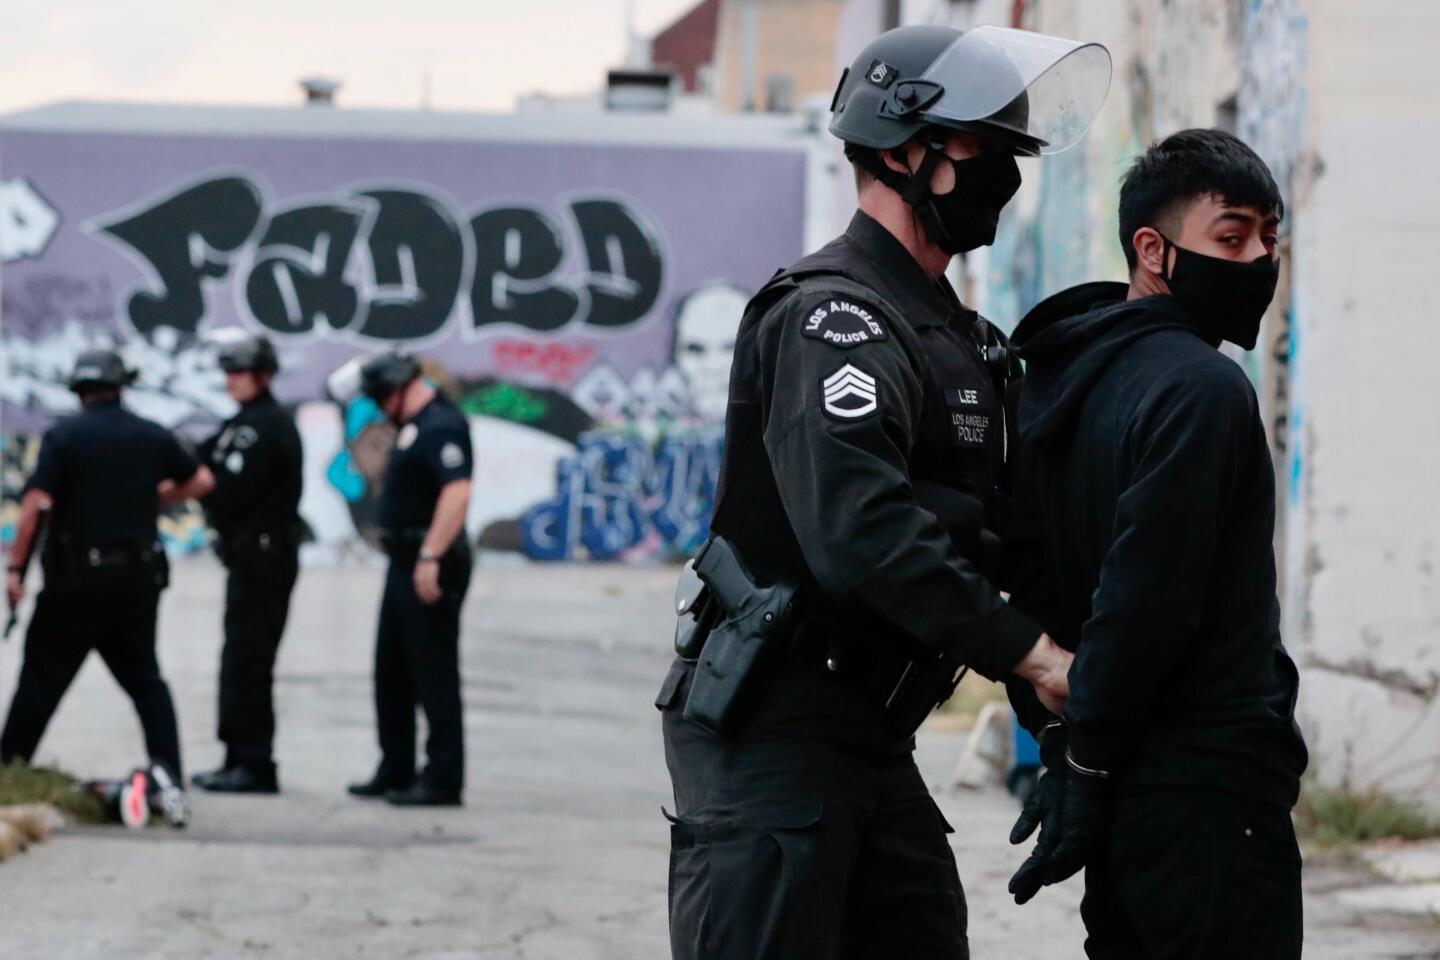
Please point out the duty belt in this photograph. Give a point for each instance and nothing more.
(906, 686)
(403, 546)
(111, 554)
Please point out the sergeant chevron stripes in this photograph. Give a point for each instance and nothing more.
(849, 382)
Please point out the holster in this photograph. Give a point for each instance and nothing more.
(740, 628)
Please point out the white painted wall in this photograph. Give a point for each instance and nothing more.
(1363, 539)
(1343, 101)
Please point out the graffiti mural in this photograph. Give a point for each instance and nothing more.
(384, 264)
(578, 300)
(645, 480)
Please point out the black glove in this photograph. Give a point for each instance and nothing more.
(1084, 822)
(1043, 809)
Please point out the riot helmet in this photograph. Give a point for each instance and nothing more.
(254, 353)
(1027, 93)
(100, 369)
(1031, 92)
(384, 373)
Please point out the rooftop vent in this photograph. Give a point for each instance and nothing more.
(639, 90)
(319, 91)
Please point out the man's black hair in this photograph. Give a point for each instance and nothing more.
(1175, 172)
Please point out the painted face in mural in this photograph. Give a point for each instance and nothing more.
(705, 344)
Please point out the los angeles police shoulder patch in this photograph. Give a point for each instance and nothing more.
(843, 323)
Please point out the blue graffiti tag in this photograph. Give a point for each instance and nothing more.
(618, 490)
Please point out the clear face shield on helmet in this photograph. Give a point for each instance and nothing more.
(1046, 90)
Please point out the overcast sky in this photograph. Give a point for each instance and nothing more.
(479, 54)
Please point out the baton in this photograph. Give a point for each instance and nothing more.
(10, 624)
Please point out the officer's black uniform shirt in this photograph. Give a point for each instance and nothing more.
(852, 402)
(431, 451)
(257, 461)
(102, 468)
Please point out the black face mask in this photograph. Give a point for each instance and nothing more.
(966, 217)
(1227, 298)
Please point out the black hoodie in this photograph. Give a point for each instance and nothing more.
(1145, 513)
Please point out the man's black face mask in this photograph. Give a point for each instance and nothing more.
(1227, 297)
(967, 216)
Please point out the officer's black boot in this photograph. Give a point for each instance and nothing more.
(381, 784)
(204, 779)
(250, 778)
(423, 794)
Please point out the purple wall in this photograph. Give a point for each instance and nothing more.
(557, 283)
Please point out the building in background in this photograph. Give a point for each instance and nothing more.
(570, 277)
(686, 48)
(774, 55)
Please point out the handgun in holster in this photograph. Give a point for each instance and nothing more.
(731, 627)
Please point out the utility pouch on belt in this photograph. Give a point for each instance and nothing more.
(751, 624)
(923, 686)
(695, 613)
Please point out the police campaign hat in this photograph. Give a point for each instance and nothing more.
(387, 372)
(1032, 92)
(255, 353)
(100, 368)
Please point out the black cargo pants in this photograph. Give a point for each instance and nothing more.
(1194, 874)
(117, 620)
(261, 576)
(417, 661)
(810, 835)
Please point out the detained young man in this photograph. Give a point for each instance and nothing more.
(1144, 523)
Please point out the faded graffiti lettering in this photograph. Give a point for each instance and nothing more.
(27, 222)
(297, 281)
(186, 239)
(624, 261)
(387, 264)
(179, 382)
(551, 362)
(40, 302)
(517, 254)
(417, 255)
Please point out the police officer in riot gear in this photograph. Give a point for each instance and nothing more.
(864, 467)
(256, 458)
(102, 477)
(422, 518)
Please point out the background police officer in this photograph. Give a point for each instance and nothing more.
(102, 476)
(257, 460)
(417, 647)
(865, 402)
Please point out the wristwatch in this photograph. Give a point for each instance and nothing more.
(427, 557)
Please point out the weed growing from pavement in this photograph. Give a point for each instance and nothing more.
(1339, 818)
(22, 783)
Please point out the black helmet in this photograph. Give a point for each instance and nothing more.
(100, 368)
(255, 353)
(1032, 92)
(385, 373)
